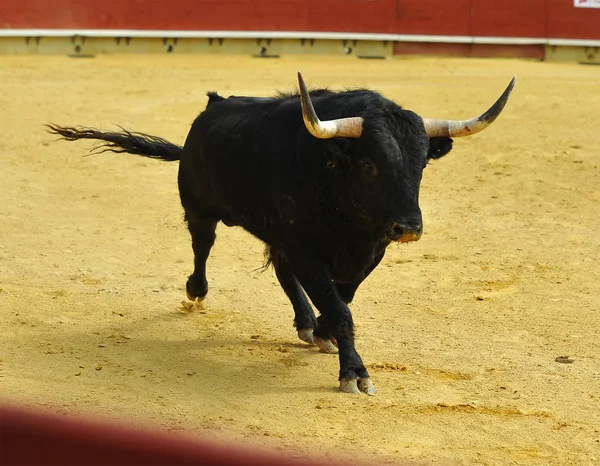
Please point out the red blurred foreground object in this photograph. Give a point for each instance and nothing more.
(33, 438)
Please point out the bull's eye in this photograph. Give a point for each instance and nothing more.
(369, 168)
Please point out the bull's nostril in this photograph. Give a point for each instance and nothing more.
(405, 232)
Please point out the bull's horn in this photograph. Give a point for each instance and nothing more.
(342, 128)
(452, 128)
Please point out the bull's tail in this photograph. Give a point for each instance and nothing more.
(131, 142)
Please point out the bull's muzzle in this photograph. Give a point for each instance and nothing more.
(403, 233)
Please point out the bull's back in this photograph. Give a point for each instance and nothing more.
(238, 161)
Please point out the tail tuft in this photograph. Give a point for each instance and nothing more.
(128, 141)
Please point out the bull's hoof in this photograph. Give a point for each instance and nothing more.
(326, 346)
(195, 291)
(306, 334)
(194, 298)
(190, 297)
(365, 385)
(349, 386)
(355, 386)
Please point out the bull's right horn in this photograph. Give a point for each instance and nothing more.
(453, 128)
(341, 128)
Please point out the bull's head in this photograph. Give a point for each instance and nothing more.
(391, 149)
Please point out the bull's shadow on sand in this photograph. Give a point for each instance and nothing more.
(151, 352)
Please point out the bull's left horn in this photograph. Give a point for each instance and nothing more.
(452, 128)
(341, 128)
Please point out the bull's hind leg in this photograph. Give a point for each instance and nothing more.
(305, 320)
(203, 237)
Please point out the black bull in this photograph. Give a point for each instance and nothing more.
(326, 197)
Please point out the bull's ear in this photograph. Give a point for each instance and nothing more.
(438, 147)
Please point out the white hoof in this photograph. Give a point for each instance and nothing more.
(349, 386)
(306, 335)
(355, 386)
(365, 385)
(326, 346)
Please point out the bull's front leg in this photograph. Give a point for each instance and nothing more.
(305, 320)
(313, 275)
(347, 290)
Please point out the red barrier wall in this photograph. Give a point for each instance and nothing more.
(231, 15)
(505, 18)
(572, 23)
(29, 438)
(436, 17)
(512, 18)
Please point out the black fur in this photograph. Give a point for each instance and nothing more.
(326, 209)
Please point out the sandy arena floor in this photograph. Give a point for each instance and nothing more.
(460, 330)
